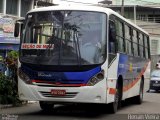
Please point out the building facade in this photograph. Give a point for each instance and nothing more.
(10, 11)
(136, 2)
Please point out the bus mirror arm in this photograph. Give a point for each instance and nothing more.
(16, 29)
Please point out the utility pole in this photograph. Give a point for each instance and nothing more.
(135, 14)
(122, 8)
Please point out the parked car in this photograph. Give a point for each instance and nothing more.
(155, 80)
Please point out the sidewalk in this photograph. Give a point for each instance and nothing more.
(5, 106)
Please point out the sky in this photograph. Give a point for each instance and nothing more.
(78, 1)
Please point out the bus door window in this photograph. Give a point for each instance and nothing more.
(112, 37)
(37, 30)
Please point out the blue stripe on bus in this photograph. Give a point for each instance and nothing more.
(62, 77)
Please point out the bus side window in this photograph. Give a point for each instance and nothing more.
(112, 37)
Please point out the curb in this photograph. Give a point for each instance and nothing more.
(31, 102)
(11, 105)
(5, 106)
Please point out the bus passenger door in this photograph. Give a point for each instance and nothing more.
(112, 41)
(112, 62)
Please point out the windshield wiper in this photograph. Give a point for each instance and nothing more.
(76, 40)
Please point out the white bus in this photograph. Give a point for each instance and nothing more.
(81, 54)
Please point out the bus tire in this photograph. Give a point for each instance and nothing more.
(139, 99)
(46, 106)
(117, 100)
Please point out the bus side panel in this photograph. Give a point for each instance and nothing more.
(140, 68)
(131, 68)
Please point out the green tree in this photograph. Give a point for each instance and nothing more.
(9, 84)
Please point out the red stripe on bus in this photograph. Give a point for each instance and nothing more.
(58, 83)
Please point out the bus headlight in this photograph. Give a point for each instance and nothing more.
(95, 79)
(24, 76)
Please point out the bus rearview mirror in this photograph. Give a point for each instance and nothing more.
(16, 30)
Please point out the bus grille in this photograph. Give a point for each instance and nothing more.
(67, 95)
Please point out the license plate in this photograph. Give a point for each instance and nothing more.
(58, 92)
(156, 85)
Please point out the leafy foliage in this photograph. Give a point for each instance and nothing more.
(11, 60)
(8, 91)
(8, 84)
(13, 54)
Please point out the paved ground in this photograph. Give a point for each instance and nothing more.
(151, 105)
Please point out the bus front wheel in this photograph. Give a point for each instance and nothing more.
(46, 106)
(117, 99)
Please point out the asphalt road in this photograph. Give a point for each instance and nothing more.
(150, 106)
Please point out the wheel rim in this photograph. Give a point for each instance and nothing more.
(116, 99)
(141, 93)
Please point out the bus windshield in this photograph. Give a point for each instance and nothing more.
(64, 38)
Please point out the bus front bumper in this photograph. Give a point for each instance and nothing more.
(83, 94)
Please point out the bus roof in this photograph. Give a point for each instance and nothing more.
(108, 11)
(71, 7)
